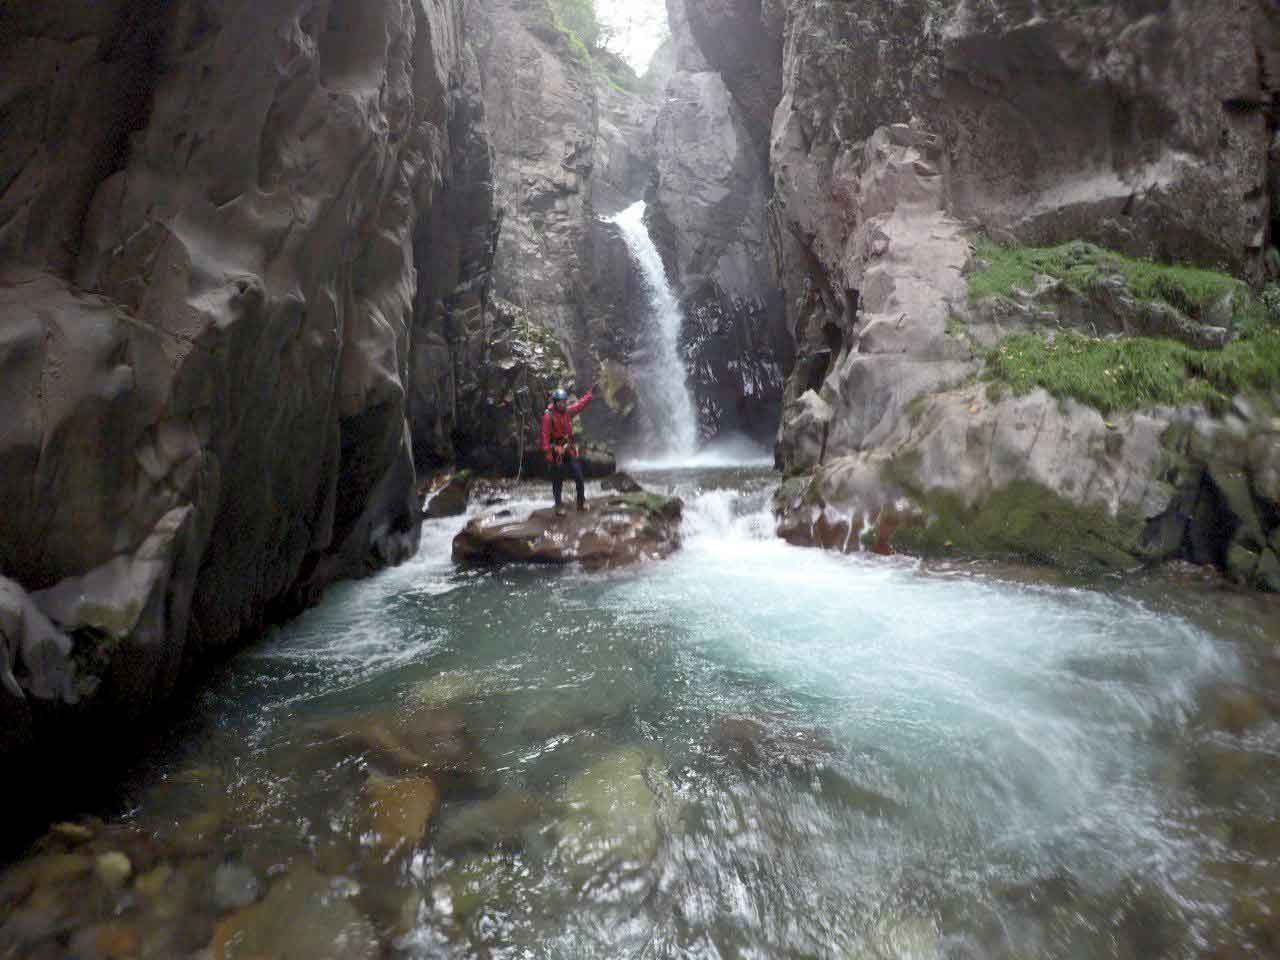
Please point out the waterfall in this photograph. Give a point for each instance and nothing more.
(663, 379)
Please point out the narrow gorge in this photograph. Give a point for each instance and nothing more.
(927, 605)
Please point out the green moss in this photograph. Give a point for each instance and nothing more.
(1135, 372)
(579, 29)
(1193, 291)
(1025, 523)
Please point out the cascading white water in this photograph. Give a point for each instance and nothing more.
(665, 383)
(770, 751)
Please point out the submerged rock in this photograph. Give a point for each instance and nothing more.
(421, 738)
(1232, 708)
(113, 869)
(450, 687)
(235, 886)
(501, 820)
(754, 743)
(619, 530)
(613, 820)
(399, 811)
(304, 917)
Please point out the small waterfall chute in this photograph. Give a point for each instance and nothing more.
(665, 392)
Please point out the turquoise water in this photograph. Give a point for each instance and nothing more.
(749, 750)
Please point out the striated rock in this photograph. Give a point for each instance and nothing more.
(743, 41)
(209, 261)
(898, 132)
(619, 530)
(573, 144)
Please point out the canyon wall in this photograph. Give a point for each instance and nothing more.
(898, 135)
(214, 215)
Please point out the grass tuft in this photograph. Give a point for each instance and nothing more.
(1135, 372)
(1080, 265)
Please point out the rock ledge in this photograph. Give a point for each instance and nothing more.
(619, 530)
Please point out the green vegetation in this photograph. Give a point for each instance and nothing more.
(1081, 265)
(1023, 522)
(1136, 372)
(1127, 373)
(579, 19)
(578, 23)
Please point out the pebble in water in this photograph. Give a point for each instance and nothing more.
(235, 886)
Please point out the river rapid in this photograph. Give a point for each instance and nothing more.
(750, 750)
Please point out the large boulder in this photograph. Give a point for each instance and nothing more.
(452, 497)
(619, 530)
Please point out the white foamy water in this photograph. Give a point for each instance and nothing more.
(665, 387)
(939, 752)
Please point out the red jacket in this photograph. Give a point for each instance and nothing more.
(558, 427)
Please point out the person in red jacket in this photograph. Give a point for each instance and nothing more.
(559, 448)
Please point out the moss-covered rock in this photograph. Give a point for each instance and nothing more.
(1024, 522)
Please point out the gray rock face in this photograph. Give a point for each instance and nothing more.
(709, 211)
(1139, 128)
(570, 148)
(207, 284)
(708, 217)
(900, 130)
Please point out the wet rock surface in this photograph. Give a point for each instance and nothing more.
(452, 498)
(211, 252)
(896, 135)
(709, 219)
(617, 531)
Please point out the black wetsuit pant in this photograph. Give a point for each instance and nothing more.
(569, 467)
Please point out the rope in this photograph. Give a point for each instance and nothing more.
(524, 415)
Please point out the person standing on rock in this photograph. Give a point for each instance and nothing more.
(560, 450)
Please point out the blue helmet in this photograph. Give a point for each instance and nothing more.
(560, 395)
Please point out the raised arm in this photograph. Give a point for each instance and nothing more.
(581, 405)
